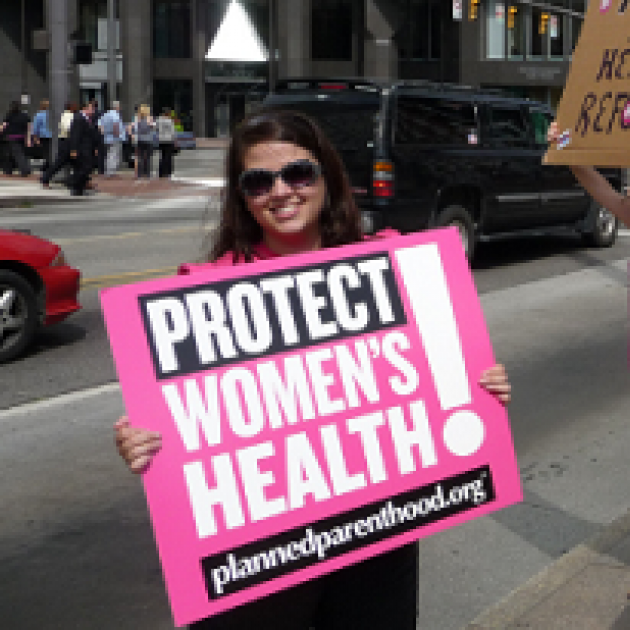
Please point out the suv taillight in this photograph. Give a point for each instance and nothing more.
(383, 179)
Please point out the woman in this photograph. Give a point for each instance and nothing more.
(166, 139)
(143, 130)
(16, 132)
(597, 185)
(287, 192)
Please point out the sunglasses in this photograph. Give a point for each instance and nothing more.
(257, 182)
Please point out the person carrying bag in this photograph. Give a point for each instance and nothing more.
(144, 129)
(166, 139)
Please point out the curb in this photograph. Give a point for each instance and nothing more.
(541, 587)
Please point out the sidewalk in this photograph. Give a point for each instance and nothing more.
(18, 191)
(586, 589)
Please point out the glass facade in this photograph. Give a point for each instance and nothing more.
(172, 29)
(520, 30)
(331, 30)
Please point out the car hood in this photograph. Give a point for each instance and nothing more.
(32, 250)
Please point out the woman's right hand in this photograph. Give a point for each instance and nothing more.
(136, 446)
(552, 133)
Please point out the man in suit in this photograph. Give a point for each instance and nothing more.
(101, 151)
(82, 143)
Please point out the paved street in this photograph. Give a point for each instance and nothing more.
(76, 546)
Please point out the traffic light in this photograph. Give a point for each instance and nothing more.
(542, 25)
(473, 9)
(511, 17)
(82, 53)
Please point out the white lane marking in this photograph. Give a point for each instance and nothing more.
(56, 401)
(160, 205)
(207, 227)
(209, 182)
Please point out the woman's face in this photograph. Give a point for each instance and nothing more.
(288, 216)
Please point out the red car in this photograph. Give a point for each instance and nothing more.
(37, 288)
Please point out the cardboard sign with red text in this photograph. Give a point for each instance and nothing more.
(594, 113)
(315, 410)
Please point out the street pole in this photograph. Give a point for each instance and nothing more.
(24, 66)
(272, 46)
(59, 78)
(111, 53)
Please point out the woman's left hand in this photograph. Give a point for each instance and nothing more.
(495, 381)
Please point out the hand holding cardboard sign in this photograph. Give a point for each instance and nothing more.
(594, 112)
(495, 381)
(136, 446)
(595, 183)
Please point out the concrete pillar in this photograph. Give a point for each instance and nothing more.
(381, 54)
(136, 25)
(294, 37)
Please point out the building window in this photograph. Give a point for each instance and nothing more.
(555, 28)
(331, 30)
(505, 29)
(495, 29)
(515, 23)
(171, 29)
(420, 38)
(538, 37)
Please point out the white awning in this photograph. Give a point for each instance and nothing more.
(237, 38)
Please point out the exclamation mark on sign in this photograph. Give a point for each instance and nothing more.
(424, 278)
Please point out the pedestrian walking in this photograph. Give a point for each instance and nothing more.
(113, 131)
(62, 159)
(100, 149)
(16, 133)
(287, 192)
(83, 142)
(144, 130)
(41, 134)
(597, 185)
(166, 140)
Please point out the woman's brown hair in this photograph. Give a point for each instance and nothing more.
(238, 231)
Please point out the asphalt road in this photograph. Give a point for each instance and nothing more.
(76, 547)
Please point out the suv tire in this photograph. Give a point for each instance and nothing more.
(602, 227)
(18, 314)
(458, 217)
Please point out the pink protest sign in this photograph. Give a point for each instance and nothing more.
(316, 410)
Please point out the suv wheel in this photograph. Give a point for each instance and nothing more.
(603, 227)
(18, 315)
(459, 217)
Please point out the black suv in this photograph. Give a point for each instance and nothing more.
(422, 154)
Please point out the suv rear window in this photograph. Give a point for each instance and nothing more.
(348, 123)
(435, 121)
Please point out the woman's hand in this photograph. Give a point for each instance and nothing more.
(495, 381)
(136, 446)
(552, 133)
